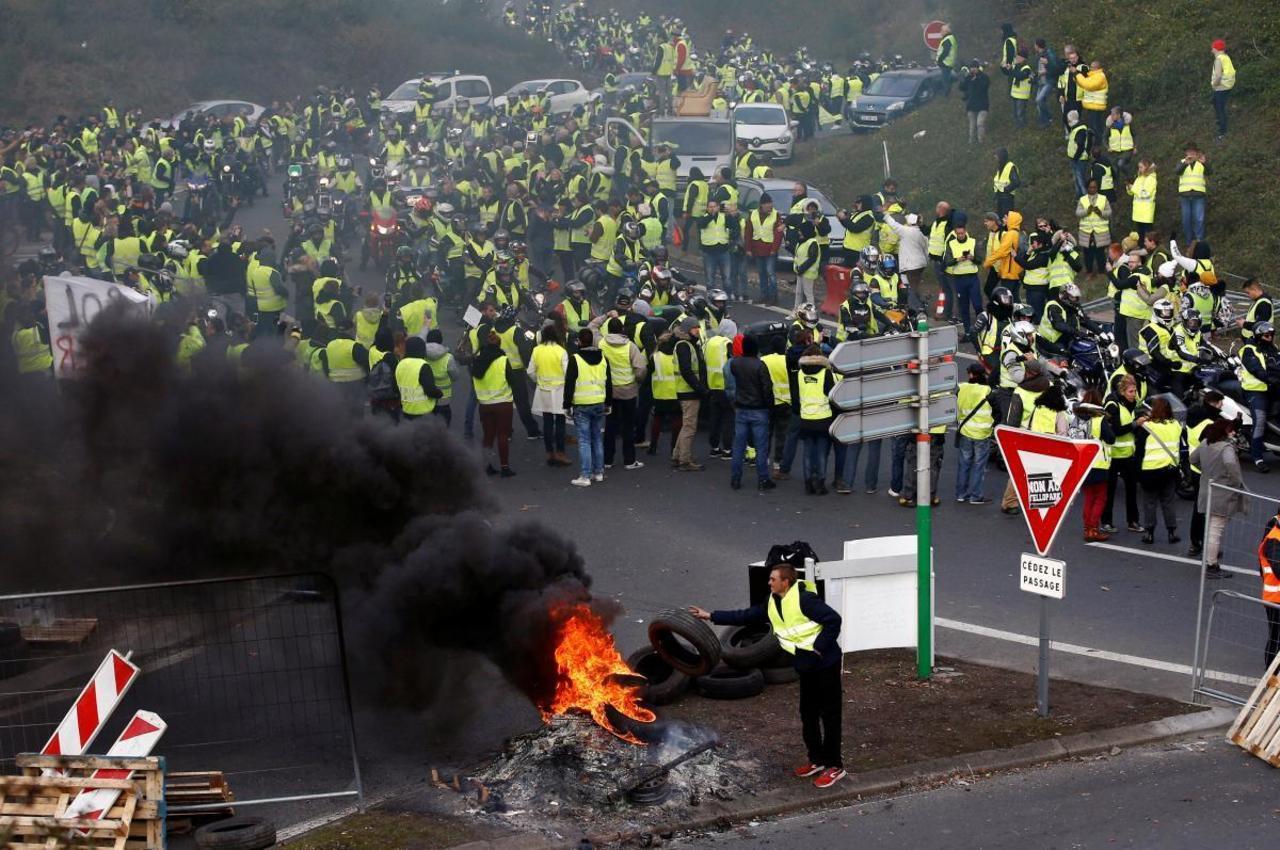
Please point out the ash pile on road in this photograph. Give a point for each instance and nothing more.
(565, 778)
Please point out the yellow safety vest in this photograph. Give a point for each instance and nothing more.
(937, 238)
(618, 358)
(1003, 177)
(1161, 450)
(1120, 140)
(1249, 381)
(813, 401)
(1144, 198)
(589, 387)
(664, 377)
(492, 386)
(970, 398)
(955, 249)
(695, 198)
(269, 301)
(777, 366)
(444, 383)
(1125, 444)
(343, 368)
(762, 229)
(33, 354)
(1044, 420)
(790, 626)
(413, 398)
(716, 351)
(1228, 71)
(1192, 179)
(1093, 222)
(548, 362)
(715, 232)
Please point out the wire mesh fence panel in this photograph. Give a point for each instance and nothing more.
(1235, 625)
(248, 673)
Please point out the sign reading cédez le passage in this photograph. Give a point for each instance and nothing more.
(1042, 576)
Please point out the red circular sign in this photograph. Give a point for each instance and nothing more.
(933, 34)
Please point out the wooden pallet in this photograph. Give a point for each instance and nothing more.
(197, 788)
(1257, 727)
(143, 829)
(70, 630)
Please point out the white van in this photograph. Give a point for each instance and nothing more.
(449, 87)
(703, 142)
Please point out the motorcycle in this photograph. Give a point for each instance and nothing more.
(1094, 357)
(383, 238)
(297, 186)
(202, 203)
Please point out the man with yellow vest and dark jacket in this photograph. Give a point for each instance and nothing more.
(1006, 182)
(30, 341)
(1156, 338)
(345, 363)
(1222, 80)
(977, 415)
(808, 629)
(1193, 192)
(270, 295)
(961, 257)
(415, 381)
(588, 394)
(1259, 376)
(1269, 568)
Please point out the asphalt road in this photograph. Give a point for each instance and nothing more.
(1177, 796)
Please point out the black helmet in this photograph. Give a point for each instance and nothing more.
(1001, 303)
(1023, 313)
(860, 290)
(626, 297)
(404, 252)
(1191, 319)
(1136, 361)
(660, 254)
(1264, 329)
(630, 229)
(576, 287)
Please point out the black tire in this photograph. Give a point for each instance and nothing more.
(239, 833)
(665, 684)
(729, 683)
(745, 647)
(780, 675)
(670, 625)
(15, 654)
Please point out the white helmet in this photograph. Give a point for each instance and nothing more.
(1162, 312)
(1022, 334)
(807, 313)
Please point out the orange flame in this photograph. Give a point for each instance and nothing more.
(587, 662)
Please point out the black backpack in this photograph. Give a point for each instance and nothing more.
(793, 554)
(382, 382)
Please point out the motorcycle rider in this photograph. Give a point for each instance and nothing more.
(887, 283)
(624, 261)
(1186, 344)
(860, 317)
(1259, 375)
(1062, 322)
(1200, 298)
(501, 286)
(402, 274)
(1154, 338)
(990, 326)
(1018, 348)
(805, 320)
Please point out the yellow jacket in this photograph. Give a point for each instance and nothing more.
(1003, 255)
(1095, 81)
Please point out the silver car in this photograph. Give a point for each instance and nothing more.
(750, 190)
(217, 109)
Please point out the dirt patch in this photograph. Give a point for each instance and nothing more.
(382, 829)
(892, 719)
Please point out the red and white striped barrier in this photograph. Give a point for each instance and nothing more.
(91, 709)
(138, 739)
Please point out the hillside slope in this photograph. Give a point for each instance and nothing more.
(67, 56)
(1157, 57)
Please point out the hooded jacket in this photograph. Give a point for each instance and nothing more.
(811, 364)
(1003, 257)
(435, 351)
(593, 356)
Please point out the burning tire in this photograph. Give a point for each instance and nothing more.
(239, 833)
(665, 682)
(685, 642)
(745, 647)
(779, 675)
(730, 683)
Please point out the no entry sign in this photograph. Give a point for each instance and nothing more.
(1047, 472)
(933, 34)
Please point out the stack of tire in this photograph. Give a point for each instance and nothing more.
(685, 652)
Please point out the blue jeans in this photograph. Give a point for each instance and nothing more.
(1080, 175)
(1192, 219)
(897, 460)
(755, 424)
(871, 476)
(1042, 103)
(968, 297)
(716, 264)
(816, 444)
(767, 270)
(1259, 403)
(737, 275)
(590, 422)
(1037, 297)
(1019, 112)
(971, 470)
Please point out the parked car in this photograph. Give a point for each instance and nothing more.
(703, 142)
(448, 87)
(893, 94)
(562, 95)
(629, 80)
(766, 128)
(216, 109)
(750, 190)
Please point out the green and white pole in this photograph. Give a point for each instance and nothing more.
(924, 516)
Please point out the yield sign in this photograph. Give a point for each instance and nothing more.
(1047, 472)
(933, 34)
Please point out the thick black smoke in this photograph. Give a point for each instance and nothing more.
(136, 473)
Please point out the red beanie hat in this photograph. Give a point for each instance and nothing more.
(1219, 44)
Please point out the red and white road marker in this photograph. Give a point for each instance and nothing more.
(91, 709)
(138, 739)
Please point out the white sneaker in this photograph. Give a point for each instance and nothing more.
(581, 481)
(599, 476)
(636, 465)
(893, 494)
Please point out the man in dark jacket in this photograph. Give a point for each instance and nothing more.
(809, 629)
(752, 401)
(976, 89)
(691, 384)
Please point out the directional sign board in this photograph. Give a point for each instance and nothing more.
(1042, 576)
(875, 423)
(860, 355)
(1047, 472)
(866, 390)
(933, 34)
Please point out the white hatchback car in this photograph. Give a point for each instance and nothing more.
(217, 109)
(562, 95)
(766, 128)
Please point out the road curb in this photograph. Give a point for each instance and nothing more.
(876, 782)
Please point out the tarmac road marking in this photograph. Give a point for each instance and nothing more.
(1088, 652)
(1177, 559)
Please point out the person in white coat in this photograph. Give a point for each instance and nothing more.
(913, 254)
(547, 366)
